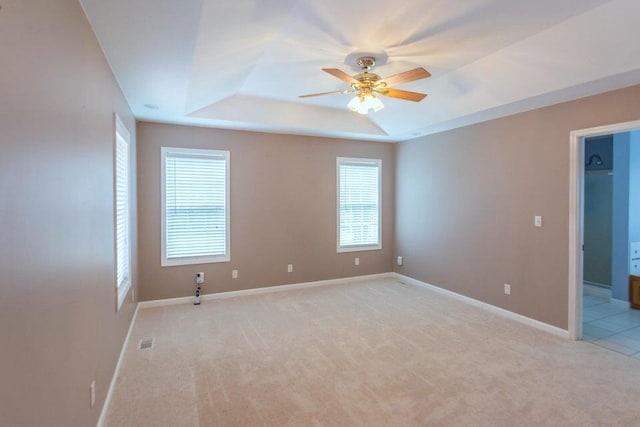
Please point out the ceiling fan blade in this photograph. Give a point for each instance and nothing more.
(402, 94)
(326, 93)
(341, 75)
(407, 76)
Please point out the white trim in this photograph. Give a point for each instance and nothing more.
(107, 400)
(363, 162)
(119, 129)
(195, 260)
(620, 303)
(265, 290)
(576, 209)
(599, 285)
(194, 152)
(486, 306)
(359, 248)
(595, 291)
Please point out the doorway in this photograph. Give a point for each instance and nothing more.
(604, 205)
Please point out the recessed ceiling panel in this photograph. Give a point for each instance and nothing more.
(263, 111)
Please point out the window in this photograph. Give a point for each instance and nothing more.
(122, 210)
(195, 206)
(358, 204)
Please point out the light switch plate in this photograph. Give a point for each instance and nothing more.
(234, 274)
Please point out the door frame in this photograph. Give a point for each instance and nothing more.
(576, 216)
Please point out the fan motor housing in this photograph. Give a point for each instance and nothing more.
(367, 77)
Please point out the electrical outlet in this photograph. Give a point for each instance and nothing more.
(537, 221)
(234, 274)
(199, 278)
(92, 391)
(356, 261)
(507, 289)
(399, 260)
(290, 268)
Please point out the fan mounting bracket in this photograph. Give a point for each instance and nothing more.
(366, 62)
(379, 57)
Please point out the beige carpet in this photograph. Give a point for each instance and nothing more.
(377, 353)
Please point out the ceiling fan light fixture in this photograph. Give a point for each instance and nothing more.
(361, 104)
(375, 103)
(368, 85)
(353, 104)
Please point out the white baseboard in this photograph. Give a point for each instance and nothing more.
(257, 291)
(620, 303)
(107, 400)
(588, 288)
(599, 285)
(492, 308)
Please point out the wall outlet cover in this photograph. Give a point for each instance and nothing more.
(507, 289)
(537, 221)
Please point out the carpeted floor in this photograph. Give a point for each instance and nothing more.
(376, 353)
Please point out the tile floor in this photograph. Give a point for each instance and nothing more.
(611, 324)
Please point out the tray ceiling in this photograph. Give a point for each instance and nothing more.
(242, 64)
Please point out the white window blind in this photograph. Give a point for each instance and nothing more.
(195, 206)
(358, 204)
(122, 211)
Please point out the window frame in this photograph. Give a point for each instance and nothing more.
(121, 131)
(358, 162)
(206, 259)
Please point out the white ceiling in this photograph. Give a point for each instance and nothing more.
(242, 63)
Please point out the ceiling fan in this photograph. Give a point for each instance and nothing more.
(367, 86)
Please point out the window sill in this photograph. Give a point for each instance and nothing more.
(359, 248)
(192, 261)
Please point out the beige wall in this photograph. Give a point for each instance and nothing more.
(58, 326)
(283, 210)
(465, 202)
